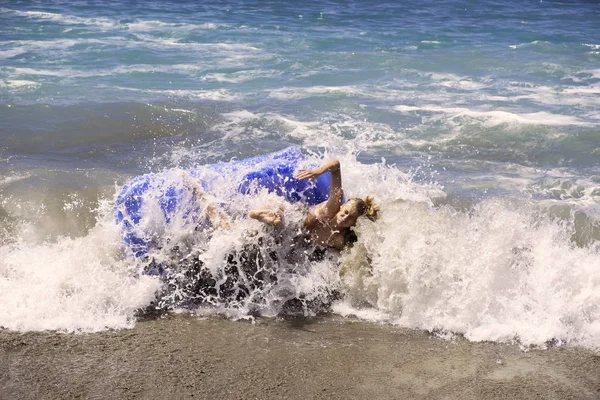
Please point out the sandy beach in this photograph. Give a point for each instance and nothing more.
(183, 357)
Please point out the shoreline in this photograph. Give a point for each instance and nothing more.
(187, 357)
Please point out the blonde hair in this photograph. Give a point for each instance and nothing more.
(366, 207)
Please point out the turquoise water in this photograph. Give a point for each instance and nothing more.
(485, 113)
(498, 81)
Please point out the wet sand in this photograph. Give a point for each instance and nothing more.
(184, 357)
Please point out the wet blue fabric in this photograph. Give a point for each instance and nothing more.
(272, 171)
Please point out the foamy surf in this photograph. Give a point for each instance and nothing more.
(82, 284)
(503, 270)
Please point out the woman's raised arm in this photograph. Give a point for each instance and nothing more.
(333, 203)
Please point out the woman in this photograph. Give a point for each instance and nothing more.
(329, 223)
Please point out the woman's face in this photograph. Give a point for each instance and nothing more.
(347, 216)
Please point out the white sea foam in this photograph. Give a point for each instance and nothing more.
(152, 25)
(304, 92)
(216, 95)
(456, 81)
(5, 181)
(20, 84)
(241, 76)
(496, 117)
(595, 73)
(529, 44)
(397, 90)
(465, 84)
(592, 46)
(25, 46)
(67, 72)
(41, 72)
(238, 125)
(81, 284)
(579, 95)
(591, 90)
(232, 47)
(181, 110)
(22, 46)
(110, 23)
(67, 19)
(498, 274)
(12, 52)
(555, 95)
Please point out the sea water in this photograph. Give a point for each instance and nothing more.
(475, 125)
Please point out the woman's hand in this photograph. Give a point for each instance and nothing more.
(310, 174)
(332, 166)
